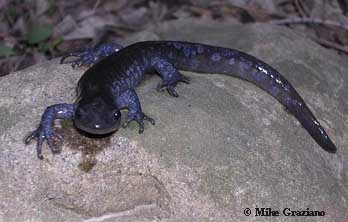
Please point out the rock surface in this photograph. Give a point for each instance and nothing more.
(207, 159)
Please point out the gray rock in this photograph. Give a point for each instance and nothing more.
(223, 146)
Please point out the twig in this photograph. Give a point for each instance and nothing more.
(343, 5)
(331, 45)
(309, 21)
(301, 8)
(96, 5)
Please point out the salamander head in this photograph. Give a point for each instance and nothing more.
(96, 116)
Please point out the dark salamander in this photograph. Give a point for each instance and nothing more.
(108, 86)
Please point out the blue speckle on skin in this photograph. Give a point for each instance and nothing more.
(231, 61)
(177, 45)
(216, 57)
(253, 73)
(245, 64)
(229, 53)
(187, 51)
(249, 64)
(193, 51)
(274, 90)
(260, 76)
(242, 59)
(194, 63)
(286, 87)
(200, 49)
(288, 100)
(147, 61)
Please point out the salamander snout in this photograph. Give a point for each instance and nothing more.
(97, 117)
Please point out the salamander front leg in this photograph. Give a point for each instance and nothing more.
(45, 130)
(90, 56)
(129, 100)
(171, 76)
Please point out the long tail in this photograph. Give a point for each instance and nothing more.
(211, 59)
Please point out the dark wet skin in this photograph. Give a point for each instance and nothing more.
(95, 116)
(108, 86)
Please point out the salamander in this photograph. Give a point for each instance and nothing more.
(108, 86)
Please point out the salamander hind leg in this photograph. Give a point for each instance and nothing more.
(129, 100)
(171, 76)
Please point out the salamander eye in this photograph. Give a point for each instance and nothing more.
(117, 114)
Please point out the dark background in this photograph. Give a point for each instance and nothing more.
(36, 30)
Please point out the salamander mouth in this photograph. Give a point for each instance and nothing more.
(97, 130)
